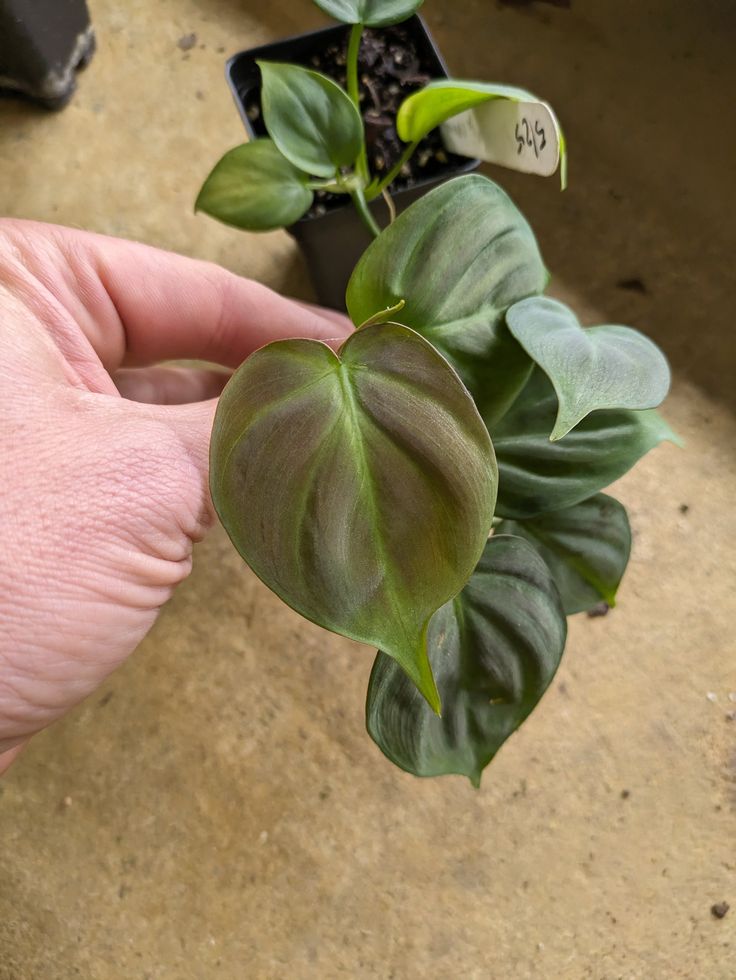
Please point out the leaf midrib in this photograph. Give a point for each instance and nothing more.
(353, 423)
(578, 564)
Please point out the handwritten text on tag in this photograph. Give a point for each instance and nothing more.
(523, 136)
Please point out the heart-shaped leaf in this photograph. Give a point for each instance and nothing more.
(310, 118)
(536, 475)
(586, 547)
(360, 488)
(255, 187)
(372, 13)
(494, 651)
(425, 109)
(458, 257)
(593, 368)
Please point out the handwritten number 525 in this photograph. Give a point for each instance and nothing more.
(526, 136)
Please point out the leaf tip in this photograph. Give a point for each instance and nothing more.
(677, 440)
(428, 688)
(609, 594)
(667, 433)
(560, 430)
(433, 699)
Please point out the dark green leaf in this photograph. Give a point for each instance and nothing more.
(586, 547)
(593, 368)
(323, 468)
(372, 13)
(255, 187)
(494, 651)
(458, 257)
(310, 118)
(536, 475)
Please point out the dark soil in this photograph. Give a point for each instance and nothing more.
(389, 68)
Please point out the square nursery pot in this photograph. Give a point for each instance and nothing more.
(334, 238)
(43, 43)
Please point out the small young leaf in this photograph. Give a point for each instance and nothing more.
(592, 368)
(425, 109)
(494, 651)
(458, 257)
(383, 316)
(536, 475)
(372, 13)
(586, 547)
(498, 123)
(360, 488)
(255, 187)
(310, 118)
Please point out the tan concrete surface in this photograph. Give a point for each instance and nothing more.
(217, 810)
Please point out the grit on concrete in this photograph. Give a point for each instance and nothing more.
(217, 809)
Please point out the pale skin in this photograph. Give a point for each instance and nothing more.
(103, 455)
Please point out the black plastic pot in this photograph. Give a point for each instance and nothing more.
(42, 44)
(333, 242)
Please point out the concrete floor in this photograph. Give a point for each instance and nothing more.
(217, 810)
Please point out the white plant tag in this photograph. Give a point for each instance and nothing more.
(523, 136)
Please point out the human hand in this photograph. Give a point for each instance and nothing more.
(104, 458)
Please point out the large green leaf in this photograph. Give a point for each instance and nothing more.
(536, 475)
(360, 488)
(425, 109)
(593, 368)
(372, 13)
(586, 547)
(310, 118)
(458, 257)
(494, 651)
(255, 187)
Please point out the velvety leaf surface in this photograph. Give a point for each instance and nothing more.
(310, 118)
(590, 368)
(586, 547)
(458, 257)
(360, 488)
(494, 651)
(255, 187)
(425, 109)
(372, 13)
(536, 475)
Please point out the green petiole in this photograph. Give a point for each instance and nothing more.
(356, 32)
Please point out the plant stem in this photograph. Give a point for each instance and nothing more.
(356, 33)
(351, 66)
(361, 207)
(393, 173)
(391, 206)
(331, 185)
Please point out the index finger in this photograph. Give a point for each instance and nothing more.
(138, 305)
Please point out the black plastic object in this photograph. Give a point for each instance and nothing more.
(42, 45)
(333, 242)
